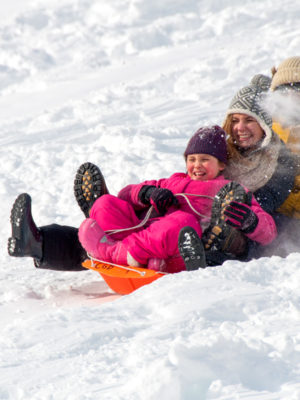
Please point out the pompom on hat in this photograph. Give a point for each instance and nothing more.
(249, 100)
(287, 73)
(208, 140)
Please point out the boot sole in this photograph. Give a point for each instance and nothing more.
(89, 184)
(217, 235)
(21, 204)
(191, 249)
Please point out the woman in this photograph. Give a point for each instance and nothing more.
(259, 160)
(285, 102)
(257, 157)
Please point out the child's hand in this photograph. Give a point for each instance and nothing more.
(162, 199)
(241, 217)
(145, 193)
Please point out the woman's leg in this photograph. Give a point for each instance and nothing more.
(62, 250)
(52, 247)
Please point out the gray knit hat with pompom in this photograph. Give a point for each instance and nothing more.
(249, 100)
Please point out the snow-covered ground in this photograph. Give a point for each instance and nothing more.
(124, 84)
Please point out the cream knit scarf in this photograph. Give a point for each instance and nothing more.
(254, 168)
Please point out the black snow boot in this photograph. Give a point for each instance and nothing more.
(89, 184)
(26, 240)
(191, 249)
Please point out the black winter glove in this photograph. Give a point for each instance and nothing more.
(160, 198)
(241, 217)
(145, 193)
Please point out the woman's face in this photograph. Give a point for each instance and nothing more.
(246, 131)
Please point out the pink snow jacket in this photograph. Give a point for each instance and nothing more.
(181, 183)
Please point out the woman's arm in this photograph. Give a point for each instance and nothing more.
(277, 189)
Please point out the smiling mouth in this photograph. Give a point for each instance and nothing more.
(244, 137)
(199, 173)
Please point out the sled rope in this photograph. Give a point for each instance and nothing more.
(142, 223)
(142, 273)
(184, 195)
(147, 216)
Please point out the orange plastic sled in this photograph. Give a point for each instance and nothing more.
(123, 279)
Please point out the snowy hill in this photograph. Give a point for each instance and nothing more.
(124, 84)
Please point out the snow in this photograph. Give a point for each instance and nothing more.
(124, 84)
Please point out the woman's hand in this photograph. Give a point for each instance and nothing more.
(240, 216)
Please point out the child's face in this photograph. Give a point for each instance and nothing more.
(203, 167)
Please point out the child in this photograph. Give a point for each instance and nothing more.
(184, 199)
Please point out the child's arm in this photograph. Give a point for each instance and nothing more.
(148, 193)
(130, 193)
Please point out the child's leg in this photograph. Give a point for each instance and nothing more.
(98, 245)
(110, 212)
(160, 240)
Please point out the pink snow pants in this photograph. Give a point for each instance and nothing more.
(157, 239)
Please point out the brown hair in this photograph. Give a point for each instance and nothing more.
(232, 151)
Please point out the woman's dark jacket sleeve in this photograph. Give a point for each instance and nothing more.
(276, 190)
